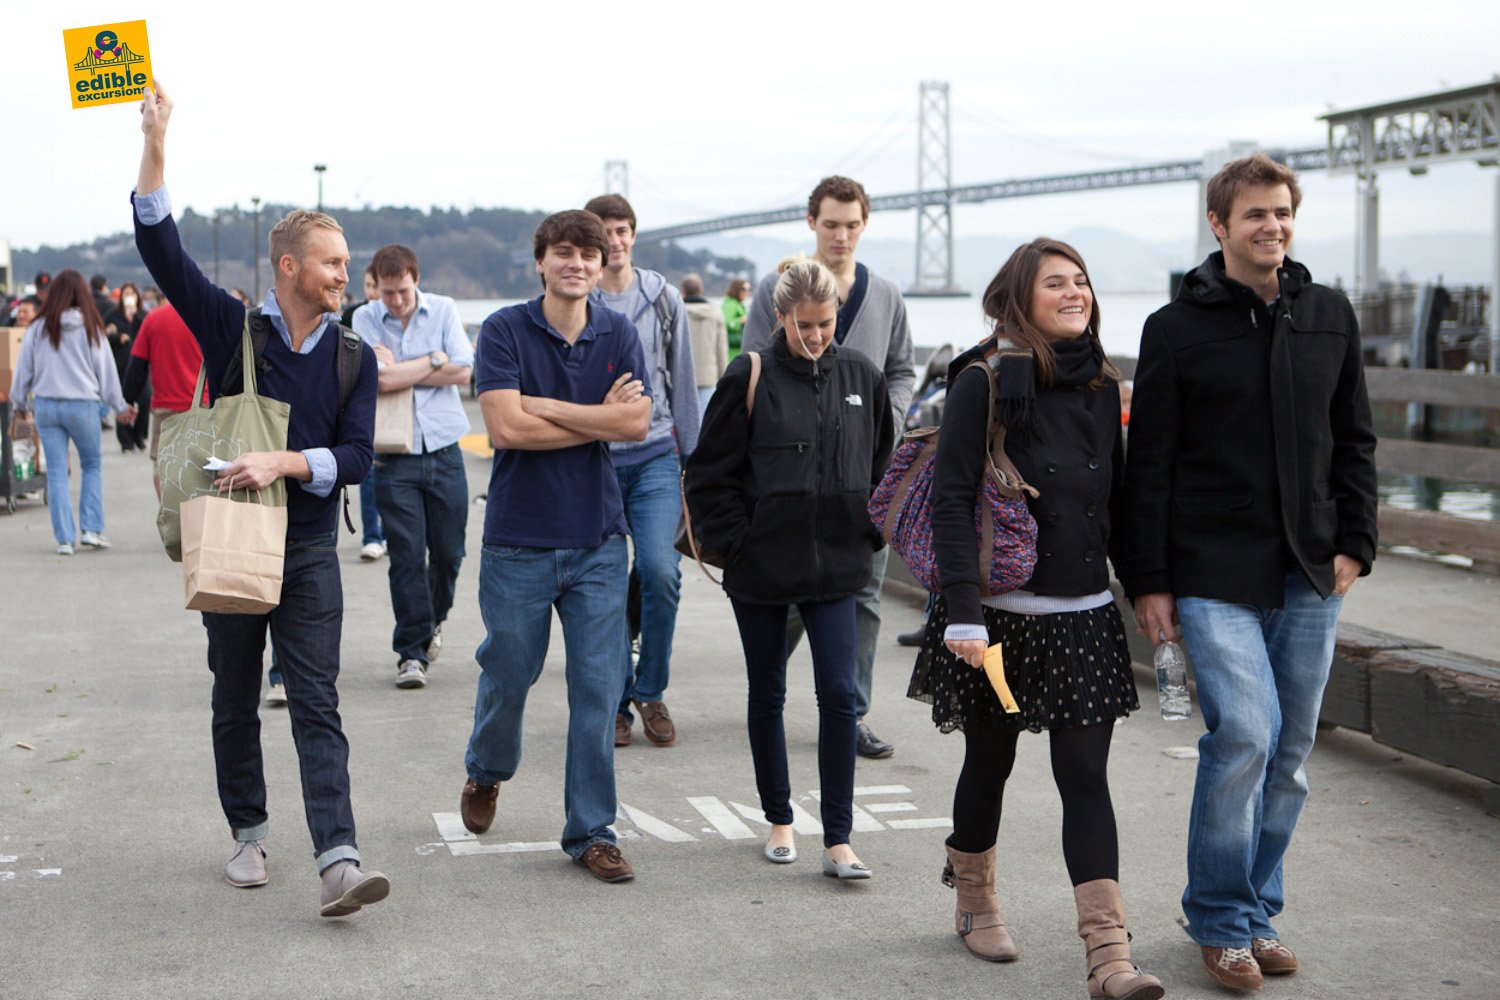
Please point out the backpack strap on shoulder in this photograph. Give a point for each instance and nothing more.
(233, 382)
(348, 364)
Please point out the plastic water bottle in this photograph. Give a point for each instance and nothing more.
(1171, 682)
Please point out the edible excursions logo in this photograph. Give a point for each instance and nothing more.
(107, 63)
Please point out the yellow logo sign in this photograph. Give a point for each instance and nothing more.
(107, 64)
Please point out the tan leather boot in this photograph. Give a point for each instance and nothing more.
(1101, 924)
(977, 918)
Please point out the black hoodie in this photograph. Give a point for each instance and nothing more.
(1251, 447)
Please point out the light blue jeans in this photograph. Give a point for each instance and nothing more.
(518, 588)
(1260, 674)
(652, 491)
(57, 421)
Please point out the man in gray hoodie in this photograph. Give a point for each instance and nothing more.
(872, 321)
(650, 471)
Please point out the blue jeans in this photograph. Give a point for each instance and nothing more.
(57, 421)
(305, 629)
(369, 513)
(424, 506)
(652, 492)
(1260, 674)
(518, 588)
(866, 631)
(830, 629)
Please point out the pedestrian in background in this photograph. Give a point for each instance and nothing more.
(710, 339)
(122, 325)
(66, 361)
(734, 306)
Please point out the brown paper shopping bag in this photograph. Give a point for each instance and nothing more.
(232, 554)
(393, 422)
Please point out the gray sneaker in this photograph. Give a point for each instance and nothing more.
(346, 889)
(435, 644)
(247, 867)
(93, 540)
(411, 674)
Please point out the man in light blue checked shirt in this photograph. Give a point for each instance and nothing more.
(423, 496)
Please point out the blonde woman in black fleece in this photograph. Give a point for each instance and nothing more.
(782, 493)
(1066, 660)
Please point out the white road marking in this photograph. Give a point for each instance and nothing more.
(465, 848)
(9, 859)
(802, 820)
(646, 823)
(892, 807)
(724, 822)
(931, 823)
(881, 790)
(451, 827)
(863, 821)
(7, 876)
(48, 872)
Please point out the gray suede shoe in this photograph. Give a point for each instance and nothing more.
(346, 889)
(247, 867)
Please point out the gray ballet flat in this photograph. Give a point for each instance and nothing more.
(781, 855)
(845, 870)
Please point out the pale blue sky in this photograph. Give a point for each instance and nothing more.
(724, 108)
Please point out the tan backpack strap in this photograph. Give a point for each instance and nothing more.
(754, 381)
(692, 537)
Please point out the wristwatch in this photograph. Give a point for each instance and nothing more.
(438, 359)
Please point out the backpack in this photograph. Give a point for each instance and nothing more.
(233, 381)
(901, 507)
(666, 321)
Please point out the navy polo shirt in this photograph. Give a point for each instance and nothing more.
(562, 498)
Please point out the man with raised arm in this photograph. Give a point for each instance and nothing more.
(559, 379)
(1250, 512)
(329, 438)
(872, 321)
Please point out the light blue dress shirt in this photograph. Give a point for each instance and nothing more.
(438, 415)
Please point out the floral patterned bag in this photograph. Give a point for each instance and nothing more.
(901, 507)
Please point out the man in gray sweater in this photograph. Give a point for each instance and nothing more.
(872, 321)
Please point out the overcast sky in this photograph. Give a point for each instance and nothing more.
(722, 108)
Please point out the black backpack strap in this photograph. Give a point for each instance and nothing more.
(233, 382)
(349, 345)
(666, 322)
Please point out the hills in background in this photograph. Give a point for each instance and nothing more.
(486, 253)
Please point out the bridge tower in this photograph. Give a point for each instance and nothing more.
(617, 178)
(934, 275)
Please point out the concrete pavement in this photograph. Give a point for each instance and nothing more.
(112, 842)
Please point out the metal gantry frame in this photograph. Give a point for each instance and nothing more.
(1448, 126)
(617, 178)
(934, 274)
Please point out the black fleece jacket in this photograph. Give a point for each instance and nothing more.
(783, 494)
(1251, 446)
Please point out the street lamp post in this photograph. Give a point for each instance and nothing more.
(216, 246)
(319, 168)
(255, 245)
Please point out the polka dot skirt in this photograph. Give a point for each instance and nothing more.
(1065, 670)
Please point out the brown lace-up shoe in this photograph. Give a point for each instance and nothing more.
(606, 864)
(1273, 957)
(1234, 967)
(477, 805)
(622, 731)
(657, 723)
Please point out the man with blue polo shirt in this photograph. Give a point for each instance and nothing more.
(329, 437)
(558, 378)
(423, 497)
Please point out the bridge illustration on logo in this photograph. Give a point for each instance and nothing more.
(107, 53)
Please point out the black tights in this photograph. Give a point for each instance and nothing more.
(1080, 760)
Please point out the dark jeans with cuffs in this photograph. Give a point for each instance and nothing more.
(305, 629)
(830, 636)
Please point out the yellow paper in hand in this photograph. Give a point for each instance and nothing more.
(994, 668)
